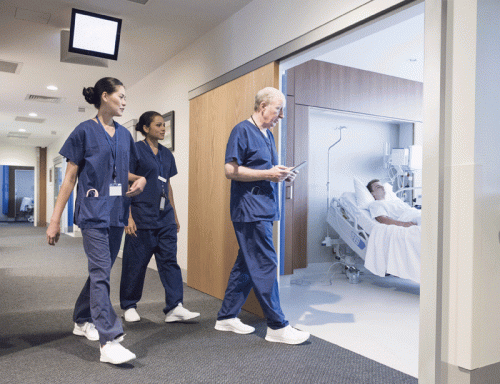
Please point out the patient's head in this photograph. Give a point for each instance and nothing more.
(376, 189)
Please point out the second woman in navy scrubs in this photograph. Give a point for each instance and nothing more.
(153, 226)
(99, 153)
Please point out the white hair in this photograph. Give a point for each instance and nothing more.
(266, 95)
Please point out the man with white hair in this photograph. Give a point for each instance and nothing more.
(251, 163)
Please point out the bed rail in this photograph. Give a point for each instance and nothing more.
(347, 227)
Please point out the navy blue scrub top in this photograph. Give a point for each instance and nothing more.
(88, 147)
(256, 200)
(146, 206)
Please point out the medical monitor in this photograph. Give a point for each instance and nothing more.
(94, 35)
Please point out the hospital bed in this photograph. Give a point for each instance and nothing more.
(383, 248)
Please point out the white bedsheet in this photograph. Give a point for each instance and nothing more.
(394, 250)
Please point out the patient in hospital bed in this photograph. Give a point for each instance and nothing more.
(391, 211)
(393, 248)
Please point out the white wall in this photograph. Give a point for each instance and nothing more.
(360, 153)
(486, 287)
(17, 155)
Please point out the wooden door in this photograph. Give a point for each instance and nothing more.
(212, 245)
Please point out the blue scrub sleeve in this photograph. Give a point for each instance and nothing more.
(74, 147)
(173, 168)
(134, 157)
(236, 146)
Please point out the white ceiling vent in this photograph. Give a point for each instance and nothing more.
(18, 135)
(10, 67)
(43, 99)
(29, 119)
(139, 1)
(81, 109)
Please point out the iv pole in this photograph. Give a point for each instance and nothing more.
(327, 240)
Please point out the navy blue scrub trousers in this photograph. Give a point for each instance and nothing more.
(94, 305)
(256, 266)
(137, 252)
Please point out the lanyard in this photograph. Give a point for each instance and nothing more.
(113, 152)
(157, 158)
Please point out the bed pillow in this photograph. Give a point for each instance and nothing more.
(363, 196)
(389, 192)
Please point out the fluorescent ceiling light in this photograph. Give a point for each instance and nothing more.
(33, 114)
(52, 88)
(22, 130)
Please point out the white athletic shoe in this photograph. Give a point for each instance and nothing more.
(233, 325)
(180, 313)
(113, 352)
(131, 315)
(287, 335)
(86, 329)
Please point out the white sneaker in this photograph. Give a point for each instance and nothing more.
(131, 315)
(86, 329)
(233, 325)
(180, 313)
(113, 352)
(287, 335)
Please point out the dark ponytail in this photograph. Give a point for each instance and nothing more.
(106, 84)
(145, 119)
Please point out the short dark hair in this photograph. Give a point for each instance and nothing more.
(106, 84)
(369, 185)
(145, 119)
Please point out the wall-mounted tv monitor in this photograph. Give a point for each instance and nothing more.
(94, 34)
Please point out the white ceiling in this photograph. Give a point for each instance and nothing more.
(151, 34)
(397, 50)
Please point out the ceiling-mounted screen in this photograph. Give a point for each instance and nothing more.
(94, 35)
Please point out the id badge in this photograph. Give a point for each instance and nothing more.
(162, 203)
(115, 189)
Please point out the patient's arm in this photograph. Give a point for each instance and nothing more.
(388, 221)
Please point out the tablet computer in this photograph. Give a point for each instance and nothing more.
(297, 167)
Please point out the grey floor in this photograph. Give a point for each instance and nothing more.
(38, 286)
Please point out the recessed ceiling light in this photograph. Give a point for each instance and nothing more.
(52, 88)
(33, 114)
(22, 130)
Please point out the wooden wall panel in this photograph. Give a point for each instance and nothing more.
(332, 86)
(212, 245)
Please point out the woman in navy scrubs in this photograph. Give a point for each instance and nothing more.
(99, 153)
(153, 226)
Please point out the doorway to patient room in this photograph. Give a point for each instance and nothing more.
(18, 194)
(351, 103)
